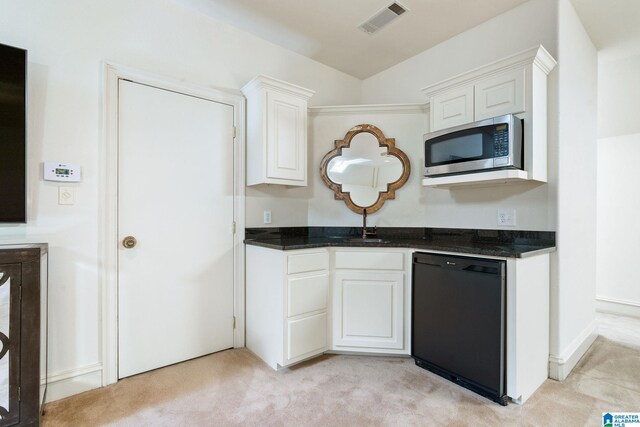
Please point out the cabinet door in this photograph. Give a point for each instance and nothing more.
(306, 337)
(10, 308)
(452, 108)
(369, 310)
(286, 138)
(500, 95)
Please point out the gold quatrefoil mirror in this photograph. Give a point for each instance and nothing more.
(365, 168)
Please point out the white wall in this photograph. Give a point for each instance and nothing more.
(618, 278)
(414, 205)
(528, 25)
(567, 203)
(618, 95)
(574, 180)
(618, 289)
(406, 125)
(525, 26)
(67, 42)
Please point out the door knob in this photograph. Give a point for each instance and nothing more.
(129, 242)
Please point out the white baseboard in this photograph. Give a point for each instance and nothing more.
(617, 306)
(561, 366)
(74, 381)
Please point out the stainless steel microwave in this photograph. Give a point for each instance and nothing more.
(485, 145)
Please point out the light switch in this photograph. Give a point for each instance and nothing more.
(66, 195)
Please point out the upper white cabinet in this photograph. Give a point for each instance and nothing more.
(276, 132)
(514, 85)
(491, 97)
(499, 95)
(452, 108)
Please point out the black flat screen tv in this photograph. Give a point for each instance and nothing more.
(13, 110)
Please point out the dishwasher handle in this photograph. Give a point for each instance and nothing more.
(474, 265)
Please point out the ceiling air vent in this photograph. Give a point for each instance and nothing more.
(382, 18)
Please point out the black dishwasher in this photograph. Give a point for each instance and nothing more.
(458, 321)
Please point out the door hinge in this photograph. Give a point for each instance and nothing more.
(234, 322)
(233, 227)
(18, 394)
(233, 132)
(20, 288)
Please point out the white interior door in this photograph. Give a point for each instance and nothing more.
(175, 197)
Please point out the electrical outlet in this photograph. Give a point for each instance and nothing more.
(506, 217)
(267, 217)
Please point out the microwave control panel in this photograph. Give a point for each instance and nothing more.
(501, 140)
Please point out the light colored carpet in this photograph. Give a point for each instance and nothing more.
(234, 387)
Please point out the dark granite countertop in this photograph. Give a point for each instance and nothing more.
(499, 243)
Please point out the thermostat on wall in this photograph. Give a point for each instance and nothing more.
(67, 172)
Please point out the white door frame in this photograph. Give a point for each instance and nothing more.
(109, 239)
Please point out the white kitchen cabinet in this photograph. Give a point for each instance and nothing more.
(276, 132)
(513, 85)
(287, 296)
(499, 95)
(370, 301)
(369, 310)
(452, 108)
(527, 325)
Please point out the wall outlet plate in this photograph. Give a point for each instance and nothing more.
(267, 217)
(62, 172)
(506, 218)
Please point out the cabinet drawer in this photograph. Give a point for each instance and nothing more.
(370, 260)
(306, 294)
(303, 263)
(307, 336)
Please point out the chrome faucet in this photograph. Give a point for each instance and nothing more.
(365, 233)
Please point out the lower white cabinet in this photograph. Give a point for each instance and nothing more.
(297, 306)
(302, 303)
(527, 325)
(370, 306)
(368, 310)
(287, 294)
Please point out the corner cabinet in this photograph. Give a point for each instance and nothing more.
(302, 303)
(369, 304)
(276, 132)
(23, 333)
(514, 85)
(287, 295)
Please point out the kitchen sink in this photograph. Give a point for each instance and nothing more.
(366, 240)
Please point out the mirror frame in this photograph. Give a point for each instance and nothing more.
(390, 144)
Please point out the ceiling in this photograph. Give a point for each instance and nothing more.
(327, 30)
(613, 25)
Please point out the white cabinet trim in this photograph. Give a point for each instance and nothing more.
(537, 55)
(371, 109)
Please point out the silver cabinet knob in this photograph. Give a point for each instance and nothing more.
(129, 242)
